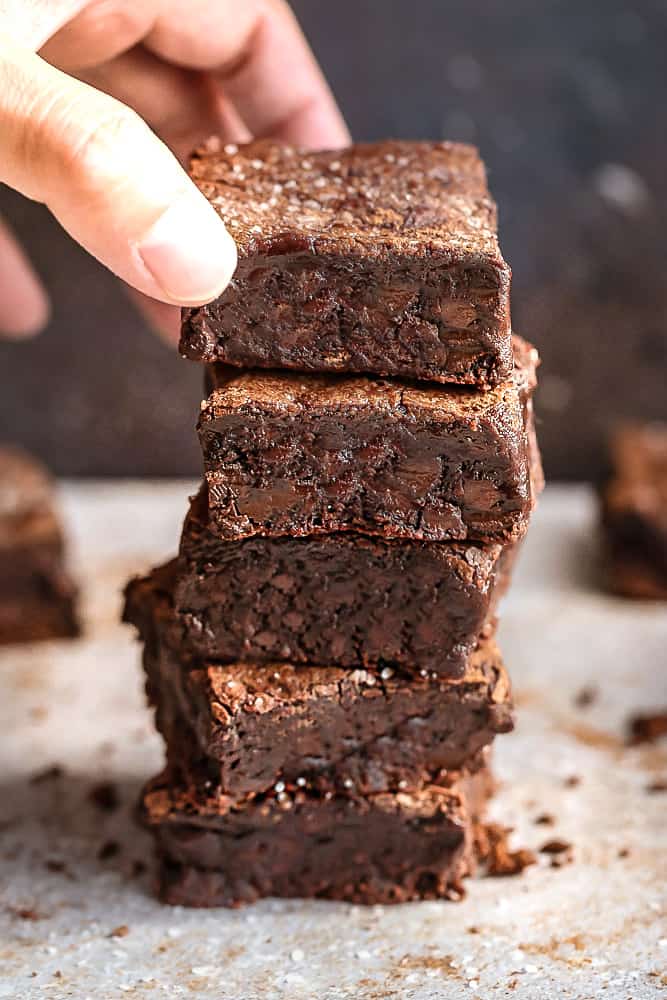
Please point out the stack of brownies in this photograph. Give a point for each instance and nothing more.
(321, 654)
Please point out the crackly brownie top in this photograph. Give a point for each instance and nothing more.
(257, 689)
(413, 198)
(168, 799)
(290, 394)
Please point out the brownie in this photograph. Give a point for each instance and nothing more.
(385, 848)
(37, 596)
(289, 454)
(634, 511)
(338, 600)
(379, 258)
(318, 727)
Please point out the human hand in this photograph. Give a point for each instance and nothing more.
(86, 88)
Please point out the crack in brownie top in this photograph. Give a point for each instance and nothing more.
(415, 197)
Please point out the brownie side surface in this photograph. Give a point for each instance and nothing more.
(300, 455)
(358, 731)
(386, 848)
(379, 258)
(341, 600)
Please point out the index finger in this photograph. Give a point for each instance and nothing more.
(265, 66)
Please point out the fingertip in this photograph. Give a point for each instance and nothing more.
(188, 252)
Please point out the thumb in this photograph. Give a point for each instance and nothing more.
(113, 185)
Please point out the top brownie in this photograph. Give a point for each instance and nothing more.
(380, 258)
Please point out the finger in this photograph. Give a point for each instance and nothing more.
(100, 31)
(184, 107)
(110, 181)
(264, 64)
(24, 306)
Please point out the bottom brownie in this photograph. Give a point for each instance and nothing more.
(386, 848)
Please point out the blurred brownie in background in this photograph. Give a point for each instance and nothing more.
(634, 511)
(37, 597)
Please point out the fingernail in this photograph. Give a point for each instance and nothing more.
(188, 251)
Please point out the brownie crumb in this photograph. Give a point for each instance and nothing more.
(120, 932)
(555, 847)
(647, 728)
(108, 850)
(25, 912)
(545, 819)
(491, 842)
(572, 781)
(657, 786)
(52, 773)
(560, 851)
(624, 852)
(105, 796)
(586, 697)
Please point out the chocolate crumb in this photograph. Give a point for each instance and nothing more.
(647, 728)
(138, 868)
(108, 850)
(120, 932)
(25, 912)
(491, 843)
(572, 781)
(473, 930)
(53, 865)
(624, 852)
(545, 819)
(555, 847)
(105, 796)
(657, 786)
(52, 773)
(586, 697)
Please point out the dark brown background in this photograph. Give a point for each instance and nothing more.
(567, 102)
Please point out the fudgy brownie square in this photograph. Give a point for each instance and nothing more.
(323, 728)
(385, 848)
(634, 511)
(379, 258)
(288, 454)
(37, 597)
(338, 600)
